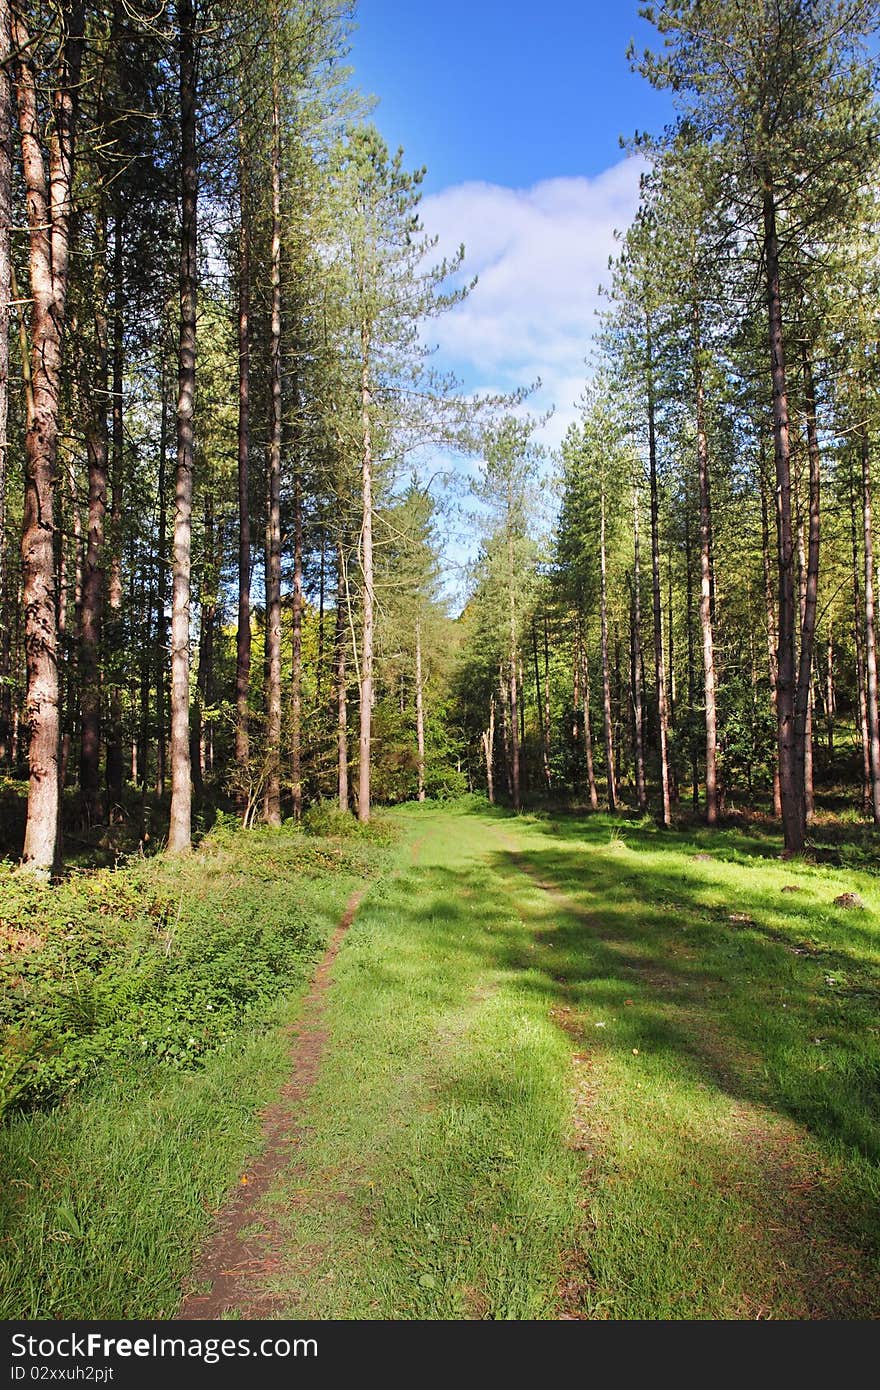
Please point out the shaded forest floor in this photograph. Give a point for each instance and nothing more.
(560, 1067)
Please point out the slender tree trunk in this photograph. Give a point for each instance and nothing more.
(540, 701)
(340, 680)
(115, 590)
(803, 702)
(606, 675)
(636, 661)
(513, 679)
(547, 704)
(296, 792)
(659, 664)
(366, 550)
(791, 785)
(588, 737)
(273, 496)
(94, 388)
(48, 215)
(861, 705)
(706, 582)
(771, 627)
(872, 723)
(243, 631)
(161, 590)
(6, 151)
(689, 578)
(488, 741)
(180, 827)
(829, 691)
(420, 712)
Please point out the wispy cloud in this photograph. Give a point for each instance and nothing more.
(541, 254)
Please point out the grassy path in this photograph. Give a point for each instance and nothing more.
(576, 1071)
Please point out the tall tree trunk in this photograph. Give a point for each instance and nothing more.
(588, 737)
(606, 675)
(161, 590)
(873, 725)
(513, 678)
(803, 701)
(771, 627)
(791, 785)
(829, 690)
(296, 792)
(273, 490)
(706, 580)
(340, 643)
(691, 675)
(538, 696)
(659, 664)
(243, 631)
(6, 150)
(180, 827)
(636, 661)
(488, 741)
(94, 387)
(366, 552)
(420, 712)
(547, 703)
(114, 592)
(48, 215)
(861, 705)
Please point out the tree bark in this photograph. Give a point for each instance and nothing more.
(872, 723)
(606, 675)
(861, 706)
(803, 701)
(540, 701)
(588, 739)
(488, 742)
(272, 812)
(791, 786)
(366, 552)
(243, 631)
(420, 712)
(95, 399)
(180, 826)
(340, 680)
(161, 589)
(296, 791)
(636, 662)
(6, 150)
(659, 664)
(114, 592)
(48, 216)
(513, 677)
(771, 627)
(706, 580)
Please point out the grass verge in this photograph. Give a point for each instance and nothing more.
(104, 1198)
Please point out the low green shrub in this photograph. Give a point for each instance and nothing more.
(153, 960)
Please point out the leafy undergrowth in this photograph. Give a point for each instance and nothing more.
(161, 959)
(141, 1010)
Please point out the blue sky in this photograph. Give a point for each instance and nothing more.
(512, 93)
(517, 110)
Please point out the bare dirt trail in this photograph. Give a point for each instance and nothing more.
(241, 1253)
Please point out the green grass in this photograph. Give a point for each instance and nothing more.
(104, 1199)
(603, 1102)
(575, 1067)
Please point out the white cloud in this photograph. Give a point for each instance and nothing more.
(541, 254)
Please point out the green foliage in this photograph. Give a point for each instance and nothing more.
(142, 962)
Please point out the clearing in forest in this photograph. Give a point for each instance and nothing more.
(575, 1069)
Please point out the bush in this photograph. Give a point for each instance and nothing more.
(155, 960)
(325, 818)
